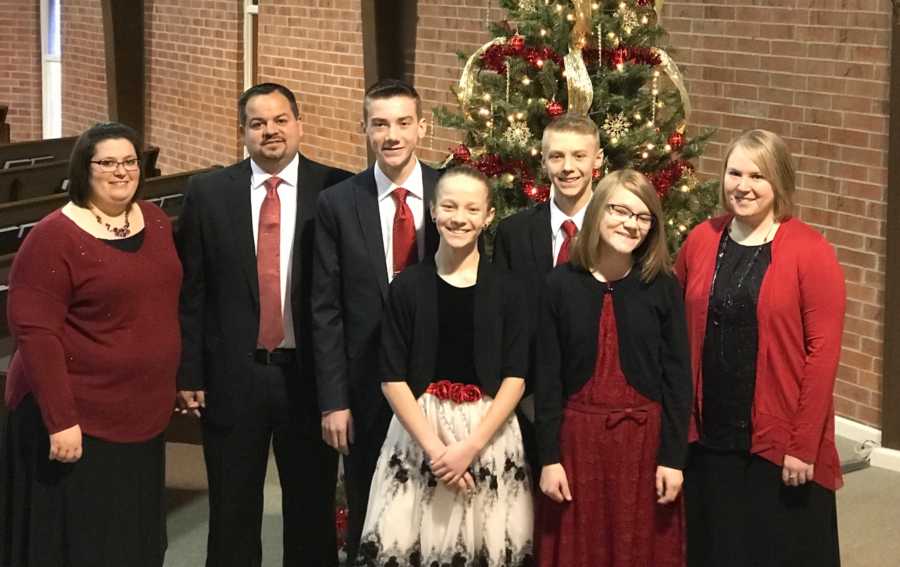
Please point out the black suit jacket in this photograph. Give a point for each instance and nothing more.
(524, 244)
(409, 338)
(350, 288)
(219, 305)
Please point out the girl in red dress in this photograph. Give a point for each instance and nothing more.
(613, 390)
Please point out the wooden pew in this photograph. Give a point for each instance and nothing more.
(22, 183)
(26, 154)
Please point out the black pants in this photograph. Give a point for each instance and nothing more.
(236, 460)
(740, 514)
(370, 427)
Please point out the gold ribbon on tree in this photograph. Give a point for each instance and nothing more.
(578, 81)
(674, 74)
(466, 86)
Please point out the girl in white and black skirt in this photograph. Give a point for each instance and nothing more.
(452, 486)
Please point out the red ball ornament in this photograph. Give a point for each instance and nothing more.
(516, 44)
(676, 140)
(555, 109)
(619, 56)
(462, 154)
(536, 193)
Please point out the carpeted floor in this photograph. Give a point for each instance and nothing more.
(868, 510)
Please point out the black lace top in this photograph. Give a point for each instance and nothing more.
(730, 347)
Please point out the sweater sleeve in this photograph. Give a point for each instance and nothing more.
(516, 335)
(396, 332)
(676, 384)
(548, 390)
(40, 291)
(822, 304)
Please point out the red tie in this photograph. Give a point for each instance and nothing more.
(570, 229)
(404, 237)
(268, 266)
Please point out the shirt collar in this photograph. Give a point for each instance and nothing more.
(413, 183)
(288, 175)
(557, 217)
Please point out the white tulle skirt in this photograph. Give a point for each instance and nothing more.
(413, 519)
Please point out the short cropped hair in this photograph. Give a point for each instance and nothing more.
(575, 124)
(465, 171)
(80, 161)
(389, 88)
(264, 89)
(770, 154)
(652, 254)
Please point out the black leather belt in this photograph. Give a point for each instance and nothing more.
(277, 357)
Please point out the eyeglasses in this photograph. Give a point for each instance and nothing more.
(110, 165)
(623, 213)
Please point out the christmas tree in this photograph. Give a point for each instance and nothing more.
(600, 58)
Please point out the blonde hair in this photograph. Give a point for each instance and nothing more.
(572, 123)
(773, 158)
(652, 254)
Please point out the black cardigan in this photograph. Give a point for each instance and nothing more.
(653, 349)
(409, 331)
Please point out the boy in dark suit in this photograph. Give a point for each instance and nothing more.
(368, 229)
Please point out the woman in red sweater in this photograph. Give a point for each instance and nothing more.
(93, 307)
(764, 297)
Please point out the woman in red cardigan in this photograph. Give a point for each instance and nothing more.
(764, 297)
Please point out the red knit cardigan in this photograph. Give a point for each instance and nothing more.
(801, 316)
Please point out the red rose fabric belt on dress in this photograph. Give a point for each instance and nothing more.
(454, 391)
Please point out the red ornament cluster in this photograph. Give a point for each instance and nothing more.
(555, 109)
(461, 154)
(454, 391)
(536, 193)
(676, 141)
(665, 178)
(494, 57)
(634, 55)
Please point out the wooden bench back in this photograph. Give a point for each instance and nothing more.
(25, 154)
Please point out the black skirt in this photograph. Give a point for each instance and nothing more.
(106, 509)
(740, 514)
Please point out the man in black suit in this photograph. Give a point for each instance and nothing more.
(245, 238)
(360, 232)
(531, 242)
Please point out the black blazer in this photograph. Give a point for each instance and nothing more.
(524, 244)
(653, 351)
(350, 288)
(409, 337)
(219, 305)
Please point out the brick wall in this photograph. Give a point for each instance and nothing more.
(819, 76)
(446, 27)
(194, 74)
(84, 101)
(20, 67)
(315, 48)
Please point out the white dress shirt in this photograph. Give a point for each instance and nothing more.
(387, 206)
(287, 195)
(557, 218)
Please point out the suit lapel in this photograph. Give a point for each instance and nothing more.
(370, 222)
(542, 238)
(308, 178)
(237, 196)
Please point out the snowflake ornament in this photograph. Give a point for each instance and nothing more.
(517, 135)
(616, 125)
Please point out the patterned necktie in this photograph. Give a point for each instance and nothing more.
(570, 229)
(404, 235)
(268, 266)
